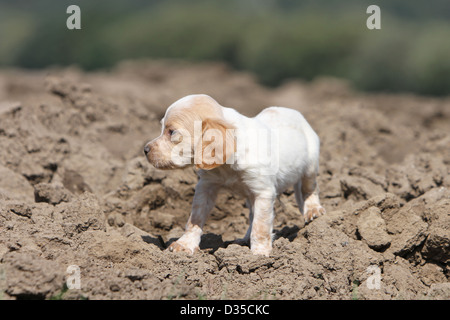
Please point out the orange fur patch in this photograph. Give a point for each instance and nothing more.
(215, 153)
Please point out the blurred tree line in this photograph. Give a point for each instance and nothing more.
(274, 39)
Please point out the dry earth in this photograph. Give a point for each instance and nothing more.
(75, 189)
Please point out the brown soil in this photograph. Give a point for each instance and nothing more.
(75, 189)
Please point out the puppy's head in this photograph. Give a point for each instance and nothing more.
(193, 132)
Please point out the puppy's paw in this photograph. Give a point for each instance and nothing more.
(178, 246)
(314, 211)
(261, 250)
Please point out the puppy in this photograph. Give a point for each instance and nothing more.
(258, 157)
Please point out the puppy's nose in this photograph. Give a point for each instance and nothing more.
(146, 149)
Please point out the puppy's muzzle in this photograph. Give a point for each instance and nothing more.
(147, 149)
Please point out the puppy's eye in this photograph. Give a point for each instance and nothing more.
(171, 132)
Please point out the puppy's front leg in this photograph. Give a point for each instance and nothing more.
(262, 226)
(204, 199)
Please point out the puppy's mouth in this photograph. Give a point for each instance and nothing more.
(160, 164)
(163, 164)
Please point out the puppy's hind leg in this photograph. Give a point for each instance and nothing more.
(310, 192)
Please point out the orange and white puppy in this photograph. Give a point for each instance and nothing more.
(258, 157)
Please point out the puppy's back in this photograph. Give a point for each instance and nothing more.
(282, 118)
(297, 138)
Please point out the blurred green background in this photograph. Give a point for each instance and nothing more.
(274, 39)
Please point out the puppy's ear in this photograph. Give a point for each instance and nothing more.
(216, 145)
